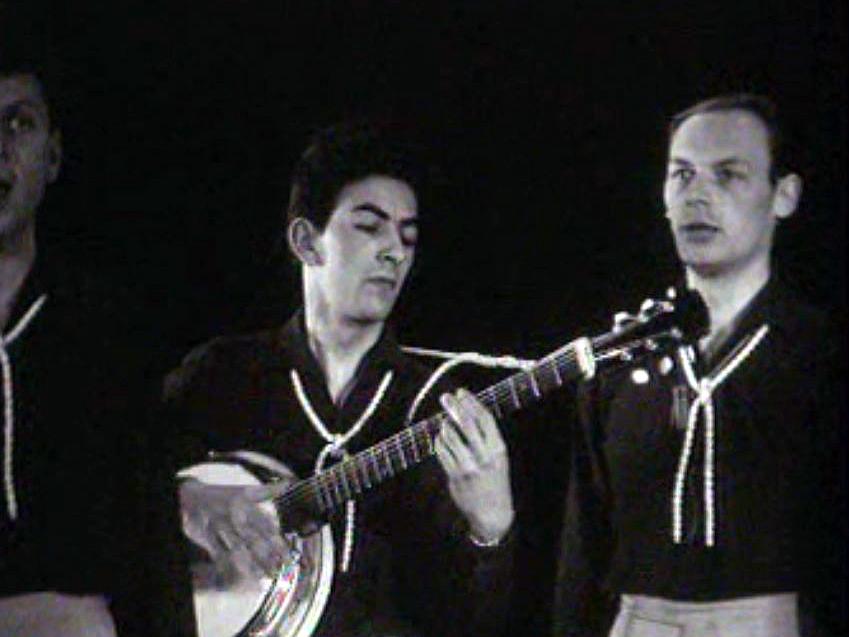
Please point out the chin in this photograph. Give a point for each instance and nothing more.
(373, 314)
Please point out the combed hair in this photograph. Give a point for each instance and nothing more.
(758, 105)
(24, 51)
(340, 155)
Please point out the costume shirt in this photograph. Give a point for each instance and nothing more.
(776, 475)
(413, 570)
(77, 407)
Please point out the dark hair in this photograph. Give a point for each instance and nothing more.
(23, 52)
(761, 107)
(340, 155)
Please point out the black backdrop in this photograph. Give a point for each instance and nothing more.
(182, 120)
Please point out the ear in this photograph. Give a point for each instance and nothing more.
(303, 239)
(786, 197)
(53, 155)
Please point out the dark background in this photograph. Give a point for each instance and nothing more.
(182, 121)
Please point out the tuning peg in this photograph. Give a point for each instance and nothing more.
(621, 320)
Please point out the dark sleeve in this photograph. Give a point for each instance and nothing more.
(822, 598)
(582, 607)
(174, 443)
(449, 586)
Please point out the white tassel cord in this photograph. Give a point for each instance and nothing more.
(336, 444)
(9, 406)
(704, 389)
(457, 358)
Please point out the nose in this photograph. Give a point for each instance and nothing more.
(393, 250)
(699, 191)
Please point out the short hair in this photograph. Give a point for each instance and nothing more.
(758, 105)
(340, 155)
(36, 59)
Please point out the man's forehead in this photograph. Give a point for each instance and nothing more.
(21, 87)
(378, 193)
(721, 135)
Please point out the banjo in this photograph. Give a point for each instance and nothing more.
(290, 603)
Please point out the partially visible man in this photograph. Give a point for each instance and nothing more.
(705, 495)
(427, 554)
(67, 501)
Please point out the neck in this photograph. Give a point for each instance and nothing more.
(17, 255)
(338, 344)
(727, 294)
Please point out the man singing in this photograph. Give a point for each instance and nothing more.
(705, 483)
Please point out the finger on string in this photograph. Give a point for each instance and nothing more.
(454, 410)
(454, 442)
(445, 455)
(472, 425)
(480, 415)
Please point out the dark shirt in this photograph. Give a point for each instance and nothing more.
(777, 476)
(76, 424)
(413, 569)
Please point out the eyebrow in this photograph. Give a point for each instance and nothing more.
(722, 163)
(380, 212)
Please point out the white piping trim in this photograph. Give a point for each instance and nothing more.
(336, 444)
(9, 405)
(704, 388)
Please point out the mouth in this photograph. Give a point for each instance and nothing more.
(699, 232)
(386, 282)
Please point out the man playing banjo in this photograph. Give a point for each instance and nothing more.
(428, 553)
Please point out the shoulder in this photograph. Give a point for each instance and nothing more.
(805, 331)
(223, 359)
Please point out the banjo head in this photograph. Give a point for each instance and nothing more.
(230, 604)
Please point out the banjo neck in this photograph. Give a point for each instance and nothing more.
(352, 477)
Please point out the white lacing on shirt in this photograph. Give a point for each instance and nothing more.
(704, 388)
(336, 446)
(9, 405)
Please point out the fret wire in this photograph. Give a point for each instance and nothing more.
(354, 479)
(364, 468)
(534, 386)
(336, 492)
(402, 457)
(345, 486)
(388, 458)
(370, 455)
(513, 395)
(556, 370)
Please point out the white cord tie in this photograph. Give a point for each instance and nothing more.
(335, 447)
(9, 406)
(457, 358)
(704, 389)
